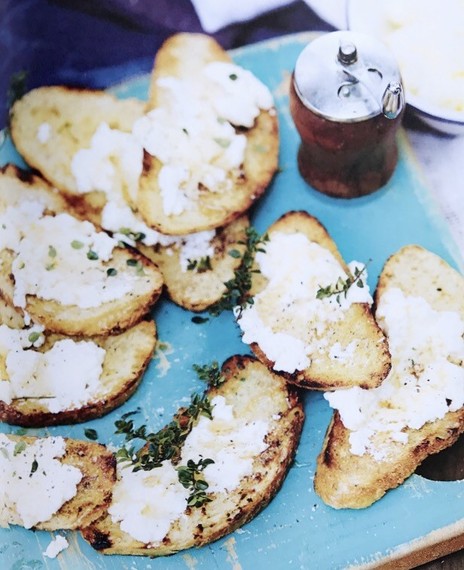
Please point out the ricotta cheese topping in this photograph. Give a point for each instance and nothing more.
(52, 251)
(35, 484)
(146, 503)
(112, 164)
(287, 320)
(64, 377)
(229, 441)
(195, 138)
(425, 382)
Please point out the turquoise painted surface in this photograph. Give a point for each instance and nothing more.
(296, 530)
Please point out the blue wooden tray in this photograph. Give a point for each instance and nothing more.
(417, 521)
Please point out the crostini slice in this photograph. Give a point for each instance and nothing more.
(241, 453)
(310, 318)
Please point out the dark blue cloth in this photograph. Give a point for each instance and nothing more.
(98, 43)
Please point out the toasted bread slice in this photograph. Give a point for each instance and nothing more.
(110, 316)
(246, 381)
(345, 347)
(126, 358)
(93, 493)
(50, 124)
(198, 288)
(352, 471)
(183, 57)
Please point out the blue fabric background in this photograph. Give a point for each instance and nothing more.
(98, 43)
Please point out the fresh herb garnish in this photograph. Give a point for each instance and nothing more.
(111, 272)
(92, 255)
(190, 478)
(52, 255)
(91, 434)
(34, 467)
(200, 265)
(34, 337)
(76, 244)
(19, 448)
(342, 285)
(224, 143)
(209, 373)
(166, 443)
(233, 76)
(238, 288)
(131, 262)
(134, 236)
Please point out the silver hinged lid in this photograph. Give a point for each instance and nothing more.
(348, 76)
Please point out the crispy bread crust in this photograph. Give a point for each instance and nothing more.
(344, 480)
(127, 356)
(184, 55)
(247, 381)
(372, 361)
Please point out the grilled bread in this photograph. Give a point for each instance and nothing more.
(183, 57)
(420, 305)
(202, 283)
(299, 324)
(125, 360)
(246, 381)
(49, 125)
(109, 316)
(93, 492)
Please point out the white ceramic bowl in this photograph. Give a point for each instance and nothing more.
(427, 39)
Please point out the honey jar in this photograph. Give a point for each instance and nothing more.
(347, 102)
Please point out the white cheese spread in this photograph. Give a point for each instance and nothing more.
(230, 442)
(425, 382)
(146, 503)
(112, 164)
(53, 251)
(64, 377)
(287, 320)
(35, 483)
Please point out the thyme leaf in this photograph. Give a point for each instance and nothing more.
(238, 288)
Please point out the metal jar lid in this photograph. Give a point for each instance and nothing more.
(348, 77)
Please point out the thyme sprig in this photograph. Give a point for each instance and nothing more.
(342, 286)
(164, 444)
(210, 373)
(237, 292)
(190, 478)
